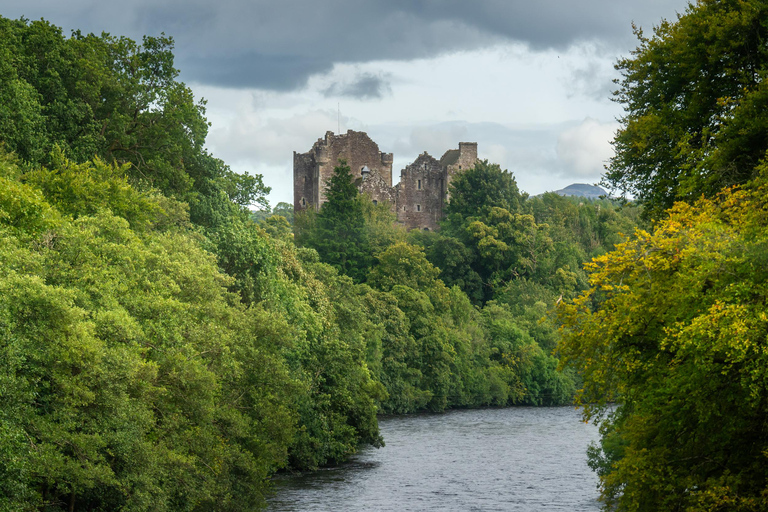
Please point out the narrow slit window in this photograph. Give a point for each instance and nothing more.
(418, 207)
(418, 186)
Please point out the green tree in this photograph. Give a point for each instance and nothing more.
(454, 259)
(694, 94)
(131, 378)
(338, 407)
(484, 186)
(284, 210)
(339, 234)
(403, 264)
(109, 97)
(673, 330)
(503, 245)
(530, 374)
(494, 239)
(281, 209)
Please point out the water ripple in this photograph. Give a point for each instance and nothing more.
(514, 459)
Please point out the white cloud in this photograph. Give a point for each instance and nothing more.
(269, 140)
(495, 153)
(434, 139)
(586, 148)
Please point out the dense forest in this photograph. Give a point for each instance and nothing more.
(168, 341)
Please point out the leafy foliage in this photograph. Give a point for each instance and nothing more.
(483, 187)
(134, 379)
(694, 95)
(673, 329)
(109, 97)
(339, 233)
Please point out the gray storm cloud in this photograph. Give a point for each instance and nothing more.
(278, 45)
(363, 86)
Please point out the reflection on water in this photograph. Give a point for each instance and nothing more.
(522, 458)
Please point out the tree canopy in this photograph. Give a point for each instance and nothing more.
(111, 97)
(673, 330)
(669, 338)
(131, 377)
(694, 95)
(480, 188)
(340, 235)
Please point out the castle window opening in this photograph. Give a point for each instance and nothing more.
(418, 207)
(375, 203)
(459, 167)
(303, 202)
(419, 185)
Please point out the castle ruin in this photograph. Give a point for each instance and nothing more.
(418, 200)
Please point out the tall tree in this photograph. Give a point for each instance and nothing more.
(673, 330)
(114, 98)
(481, 188)
(339, 233)
(695, 98)
(131, 379)
(484, 225)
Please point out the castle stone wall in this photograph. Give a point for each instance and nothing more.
(420, 193)
(304, 180)
(378, 188)
(357, 149)
(419, 198)
(457, 160)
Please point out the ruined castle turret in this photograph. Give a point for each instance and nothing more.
(419, 198)
(312, 170)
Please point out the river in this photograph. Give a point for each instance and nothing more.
(513, 459)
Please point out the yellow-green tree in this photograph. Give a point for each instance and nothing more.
(673, 330)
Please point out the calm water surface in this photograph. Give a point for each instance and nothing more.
(525, 459)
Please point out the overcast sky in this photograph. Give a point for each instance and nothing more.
(529, 81)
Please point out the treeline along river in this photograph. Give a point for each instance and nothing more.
(520, 458)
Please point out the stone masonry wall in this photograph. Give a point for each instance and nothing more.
(420, 193)
(304, 170)
(455, 161)
(378, 188)
(418, 199)
(357, 149)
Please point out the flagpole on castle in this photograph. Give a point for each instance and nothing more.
(338, 118)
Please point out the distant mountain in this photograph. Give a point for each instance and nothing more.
(582, 190)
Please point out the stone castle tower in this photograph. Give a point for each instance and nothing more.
(418, 200)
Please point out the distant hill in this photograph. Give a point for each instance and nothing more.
(582, 190)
